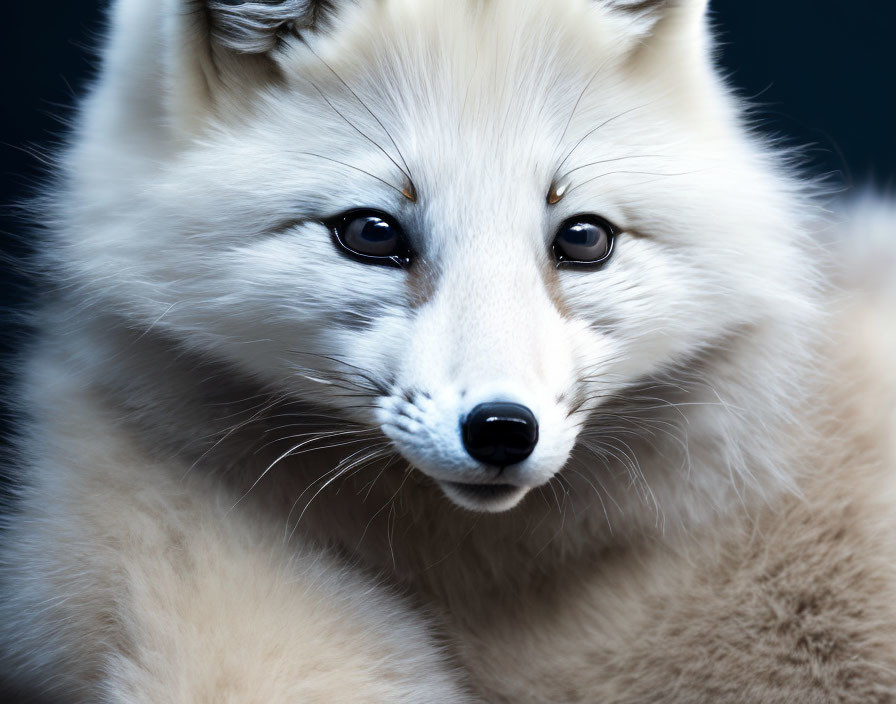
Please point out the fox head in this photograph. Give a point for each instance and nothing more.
(475, 225)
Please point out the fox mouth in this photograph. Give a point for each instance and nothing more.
(491, 498)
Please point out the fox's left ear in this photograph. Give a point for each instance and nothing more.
(647, 16)
(668, 30)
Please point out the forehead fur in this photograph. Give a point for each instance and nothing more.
(519, 36)
(471, 79)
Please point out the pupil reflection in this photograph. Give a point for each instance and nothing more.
(377, 231)
(582, 235)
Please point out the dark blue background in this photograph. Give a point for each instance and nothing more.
(820, 71)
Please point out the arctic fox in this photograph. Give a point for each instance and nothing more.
(446, 351)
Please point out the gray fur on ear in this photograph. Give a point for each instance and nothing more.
(676, 18)
(641, 6)
(256, 27)
(652, 10)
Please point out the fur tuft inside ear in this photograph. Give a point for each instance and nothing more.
(257, 27)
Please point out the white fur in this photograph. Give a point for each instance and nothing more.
(188, 227)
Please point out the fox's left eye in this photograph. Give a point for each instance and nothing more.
(371, 236)
(584, 239)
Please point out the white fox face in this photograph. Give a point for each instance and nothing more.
(468, 224)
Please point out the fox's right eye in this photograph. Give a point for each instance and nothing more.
(371, 236)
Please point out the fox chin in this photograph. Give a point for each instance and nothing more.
(447, 351)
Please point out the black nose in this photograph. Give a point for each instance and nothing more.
(500, 434)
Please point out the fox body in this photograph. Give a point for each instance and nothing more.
(418, 350)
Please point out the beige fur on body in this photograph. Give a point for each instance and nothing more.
(169, 541)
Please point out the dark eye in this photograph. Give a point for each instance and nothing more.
(371, 236)
(584, 239)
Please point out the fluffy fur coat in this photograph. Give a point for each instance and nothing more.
(239, 470)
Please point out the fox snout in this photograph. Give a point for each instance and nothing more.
(486, 439)
(491, 356)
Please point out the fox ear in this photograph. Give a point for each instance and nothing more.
(257, 27)
(646, 15)
(659, 25)
(220, 53)
(667, 34)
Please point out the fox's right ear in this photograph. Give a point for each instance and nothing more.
(219, 53)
